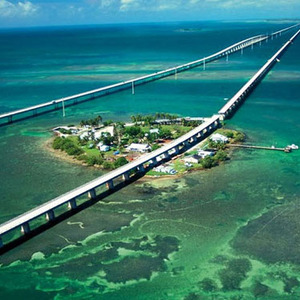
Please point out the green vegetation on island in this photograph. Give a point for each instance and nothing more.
(113, 144)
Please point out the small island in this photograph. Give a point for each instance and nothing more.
(109, 145)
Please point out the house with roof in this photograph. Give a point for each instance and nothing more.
(219, 138)
(104, 148)
(134, 147)
(204, 153)
(154, 130)
(193, 159)
(165, 169)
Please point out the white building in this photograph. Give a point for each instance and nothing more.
(204, 153)
(104, 131)
(104, 148)
(217, 137)
(84, 135)
(139, 148)
(165, 169)
(193, 159)
(154, 130)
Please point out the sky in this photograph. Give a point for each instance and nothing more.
(23, 13)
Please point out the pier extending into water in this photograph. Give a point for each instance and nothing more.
(24, 227)
(286, 149)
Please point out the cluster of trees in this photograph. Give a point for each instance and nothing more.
(236, 136)
(211, 161)
(68, 145)
(71, 147)
(150, 119)
(91, 122)
(101, 161)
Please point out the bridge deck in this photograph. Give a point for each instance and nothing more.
(262, 71)
(208, 125)
(65, 198)
(140, 80)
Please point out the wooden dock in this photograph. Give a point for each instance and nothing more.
(287, 150)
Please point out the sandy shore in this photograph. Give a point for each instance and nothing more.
(47, 146)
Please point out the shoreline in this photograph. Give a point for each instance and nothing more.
(63, 156)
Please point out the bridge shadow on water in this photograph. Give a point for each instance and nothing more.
(67, 214)
(89, 202)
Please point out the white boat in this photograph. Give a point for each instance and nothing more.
(293, 146)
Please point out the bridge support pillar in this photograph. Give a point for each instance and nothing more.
(110, 184)
(34, 112)
(153, 162)
(176, 148)
(126, 176)
(141, 168)
(50, 215)
(186, 144)
(25, 228)
(132, 88)
(92, 194)
(9, 119)
(166, 155)
(204, 66)
(1, 242)
(72, 204)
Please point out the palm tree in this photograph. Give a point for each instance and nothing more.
(98, 119)
(133, 119)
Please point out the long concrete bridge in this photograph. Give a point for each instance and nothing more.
(92, 192)
(141, 165)
(32, 111)
(232, 104)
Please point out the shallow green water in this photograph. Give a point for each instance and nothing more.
(226, 233)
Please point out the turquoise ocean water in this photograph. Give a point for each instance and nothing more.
(228, 233)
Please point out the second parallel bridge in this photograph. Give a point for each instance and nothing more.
(129, 84)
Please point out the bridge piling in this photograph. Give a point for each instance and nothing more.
(1, 242)
(25, 228)
(110, 185)
(126, 176)
(50, 215)
(92, 194)
(72, 204)
(141, 168)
